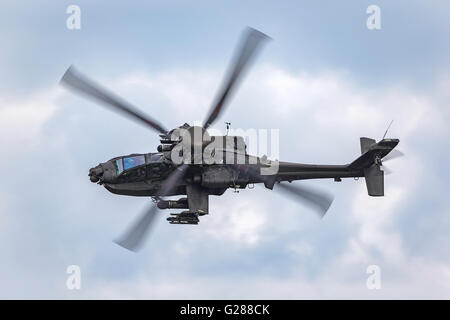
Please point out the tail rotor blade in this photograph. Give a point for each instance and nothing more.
(251, 43)
(393, 155)
(136, 234)
(81, 84)
(319, 201)
(386, 170)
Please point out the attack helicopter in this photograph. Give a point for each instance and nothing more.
(186, 165)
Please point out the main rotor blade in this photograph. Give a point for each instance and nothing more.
(136, 234)
(78, 82)
(251, 42)
(318, 200)
(393, 155)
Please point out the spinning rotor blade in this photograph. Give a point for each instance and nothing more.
(318, 200)
(390, 156)
(78, 82)
(135, 235)
(393, 154)
(133, 238)
(386, 170)
(251, 42)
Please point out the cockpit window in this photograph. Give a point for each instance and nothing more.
(131, 162)
(119, 165)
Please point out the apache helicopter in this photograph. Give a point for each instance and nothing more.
(159, 174)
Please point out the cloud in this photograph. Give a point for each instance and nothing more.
(255, 244)
(22, 120)
(242, 223)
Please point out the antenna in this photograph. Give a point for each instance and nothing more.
(228, 126)
(387, 129)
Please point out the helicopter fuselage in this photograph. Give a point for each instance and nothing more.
(143, 174)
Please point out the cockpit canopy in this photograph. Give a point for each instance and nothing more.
(135, 160)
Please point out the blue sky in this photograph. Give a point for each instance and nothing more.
(324, 81)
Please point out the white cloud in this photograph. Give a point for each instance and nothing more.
(21, 120)
(321, 116)
(242, 222)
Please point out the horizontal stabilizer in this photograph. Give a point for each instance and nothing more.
(371, 150)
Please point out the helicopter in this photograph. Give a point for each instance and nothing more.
(180, 167)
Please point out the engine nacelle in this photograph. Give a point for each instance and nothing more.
(221, 177)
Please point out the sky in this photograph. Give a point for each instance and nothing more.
(324, 80)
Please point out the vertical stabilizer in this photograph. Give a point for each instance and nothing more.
(366, 143)
(374, 180)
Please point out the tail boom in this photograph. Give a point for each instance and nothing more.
(367, 165)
